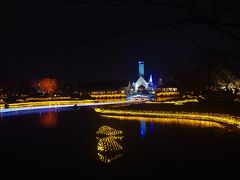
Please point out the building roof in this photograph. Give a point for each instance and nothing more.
(141, 82)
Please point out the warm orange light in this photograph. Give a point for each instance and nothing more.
(49, 119)
(48, 85)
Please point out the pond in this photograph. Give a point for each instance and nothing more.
(68, 143)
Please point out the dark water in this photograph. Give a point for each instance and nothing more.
(63, 145)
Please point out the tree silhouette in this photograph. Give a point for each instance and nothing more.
(164, 16)
(225, 79)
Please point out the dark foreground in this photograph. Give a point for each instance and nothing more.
(63, 144)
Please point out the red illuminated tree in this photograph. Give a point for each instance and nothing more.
(47, 85)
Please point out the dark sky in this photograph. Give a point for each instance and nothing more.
(34, 44)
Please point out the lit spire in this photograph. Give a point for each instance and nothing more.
(150, 82)
(150, 78)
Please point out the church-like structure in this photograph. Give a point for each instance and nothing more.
(141, 88)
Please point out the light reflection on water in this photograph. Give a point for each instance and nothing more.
(80, 142)
(170, 117)
(152, 127)
(74, 143)
(143, 129)
(48, 119)
(34, 111)
(108, 147)
(167, 121)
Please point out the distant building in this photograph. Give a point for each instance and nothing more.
(141, 68)
(13, 91)
(105, 89)
(166, 89)
(141, 86)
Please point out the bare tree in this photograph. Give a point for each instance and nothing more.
(224, 79)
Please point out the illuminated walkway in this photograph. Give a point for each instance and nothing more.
(47, 105)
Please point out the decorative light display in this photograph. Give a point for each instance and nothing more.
(108, 131)
(168, 121)
(108, 144)
(56, 104)
(107, 159)
(108, 95)
(212, 117)
(175, 102)
(108, 147)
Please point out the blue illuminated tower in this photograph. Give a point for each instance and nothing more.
(141, 68)
(150, 82)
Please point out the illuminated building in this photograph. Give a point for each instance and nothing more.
(166, 89)
(141, 87)
(146, 90)
(108, 147)
(141, 68)
(108, 94)
(101, 90)
(150, 82)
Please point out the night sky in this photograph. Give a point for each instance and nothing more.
(76, 42)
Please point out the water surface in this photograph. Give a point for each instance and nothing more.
(66, 143)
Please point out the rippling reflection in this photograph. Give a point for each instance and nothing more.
(106, 130)
(152, 127)
(108, 147)
(48, 119)
(167, 121)
(168, 117)
(143, 128)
